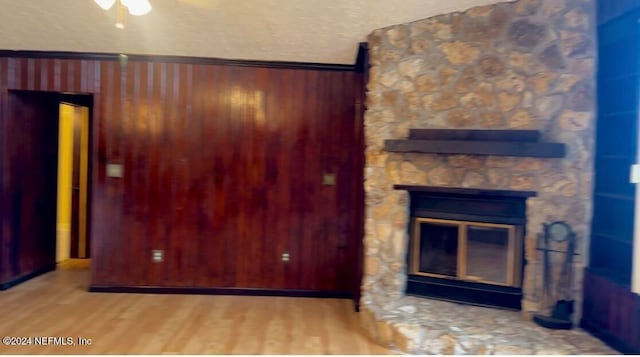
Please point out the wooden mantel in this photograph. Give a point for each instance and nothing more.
(443, 190)
(523, 143)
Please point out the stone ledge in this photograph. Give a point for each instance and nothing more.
(424, 326)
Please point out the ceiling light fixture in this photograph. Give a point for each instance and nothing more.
(105, 4)
(135, 7)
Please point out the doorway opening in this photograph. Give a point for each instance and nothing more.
(73, 160)
(31, 203)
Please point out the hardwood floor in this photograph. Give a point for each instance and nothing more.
(58, 305)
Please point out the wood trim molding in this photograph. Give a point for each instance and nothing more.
(218, 291)
(91, 56)
(11, 283)
(362, 59)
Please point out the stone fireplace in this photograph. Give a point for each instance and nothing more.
(523, 65)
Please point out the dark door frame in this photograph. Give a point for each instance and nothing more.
(80, 99)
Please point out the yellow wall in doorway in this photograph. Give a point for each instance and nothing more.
(71, 116)
(65, 181)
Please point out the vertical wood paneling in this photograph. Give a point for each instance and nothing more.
(192, 177)
(217, 132)
(612, 312)
(356, 128)
(178, 248)
(11, 74)
(223, 171)
(318, 208)
(155, 190)
(21, 73)
(290, 170)
(96, 175)
(169, 180)
(4, 225)
(103, 116)
(135, 161)
(117, 265)
(30, 72)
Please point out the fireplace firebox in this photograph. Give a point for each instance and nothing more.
(467, 245)
(466, 251)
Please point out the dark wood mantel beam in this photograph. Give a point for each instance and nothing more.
(468, 147)
(524, 143)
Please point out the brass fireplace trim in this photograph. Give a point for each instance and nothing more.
(514, 249)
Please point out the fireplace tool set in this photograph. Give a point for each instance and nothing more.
(558, 244)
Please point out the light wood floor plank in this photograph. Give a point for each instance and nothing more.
(57, 304)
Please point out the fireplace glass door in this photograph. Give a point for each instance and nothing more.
(471, 251)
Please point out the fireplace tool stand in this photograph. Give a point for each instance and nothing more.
(558, 239)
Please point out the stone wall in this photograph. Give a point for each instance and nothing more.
(519, 65)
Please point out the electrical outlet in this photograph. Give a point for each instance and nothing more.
(285, 257)
(157, 256)
(329, 179)
(115, 170)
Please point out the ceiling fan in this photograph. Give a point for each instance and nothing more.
(135, 8)
(140, 7)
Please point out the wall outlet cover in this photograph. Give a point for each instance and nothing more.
(115, 170)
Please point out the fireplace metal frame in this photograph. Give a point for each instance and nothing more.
(467, 204)
(514, 258)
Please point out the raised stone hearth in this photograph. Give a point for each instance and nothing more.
(423, 326)
(524, 65)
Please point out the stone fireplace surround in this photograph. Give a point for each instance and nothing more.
(527, 64)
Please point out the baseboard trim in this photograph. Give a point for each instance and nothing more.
(608, 338)
(19, 280)
(218, 291)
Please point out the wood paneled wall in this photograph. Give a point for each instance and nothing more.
(223, 171)
(612, 230)
(611, 312)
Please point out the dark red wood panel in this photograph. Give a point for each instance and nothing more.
(4, 224)
(612, 312)
(29, 202)
(223, 169)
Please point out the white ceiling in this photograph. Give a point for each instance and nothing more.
(322, 31)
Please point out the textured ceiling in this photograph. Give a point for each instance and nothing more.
(322, 31)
